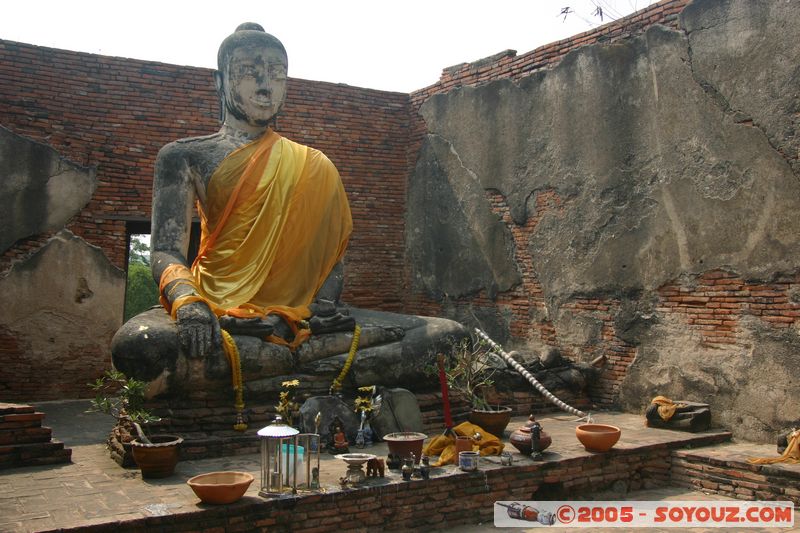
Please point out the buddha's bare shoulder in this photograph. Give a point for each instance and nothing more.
(196, 151)
(203, 140)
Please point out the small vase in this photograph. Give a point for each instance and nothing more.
(463, 444)
(522, 438)
(425, 467)
(408, 468)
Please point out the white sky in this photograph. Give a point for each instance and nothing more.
(395, 46)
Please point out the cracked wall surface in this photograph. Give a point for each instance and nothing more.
(61, 302)
(667, 156)
(39, 190)
(746, 53)
(55, 338)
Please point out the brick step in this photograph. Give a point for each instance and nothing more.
(15, 408)
(25, 435)
(34, 454)
(724, 470)
(24, 441)
(21, 420)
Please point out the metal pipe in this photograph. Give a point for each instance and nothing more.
(497, 349)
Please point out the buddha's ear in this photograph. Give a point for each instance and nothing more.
(218, 83)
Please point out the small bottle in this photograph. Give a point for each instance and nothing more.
(408, 468)
(314, 485)
(425, 467)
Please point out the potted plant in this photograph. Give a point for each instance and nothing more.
(469, 371)
(287, 406)
(363, 406)
(123, 398)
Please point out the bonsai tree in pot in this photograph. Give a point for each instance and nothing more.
(123, 398)
(469, 369)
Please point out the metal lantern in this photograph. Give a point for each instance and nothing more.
(308, 447)
(289, 460)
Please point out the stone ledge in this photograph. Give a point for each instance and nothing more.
(724, 470)
(641, 459)
(450, 497)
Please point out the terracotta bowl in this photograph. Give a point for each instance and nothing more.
(404, 443)
(220, 487)
(597, 437)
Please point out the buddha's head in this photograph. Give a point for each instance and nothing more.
(251, 79)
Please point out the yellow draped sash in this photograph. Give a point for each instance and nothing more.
(790, 455)
(445, 445)
(666, 407)
(276, 222)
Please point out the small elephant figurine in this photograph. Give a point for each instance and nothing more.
(376, 467)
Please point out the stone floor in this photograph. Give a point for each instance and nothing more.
(93, 490)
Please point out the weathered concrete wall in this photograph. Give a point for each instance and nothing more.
(59, 314)
(39, 190)
(626, 168)
(59, 304)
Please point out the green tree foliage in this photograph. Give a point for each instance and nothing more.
(139, 251)
(141, 292)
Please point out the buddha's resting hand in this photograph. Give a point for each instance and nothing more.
(251, 327)
(327, 318)
(198, 330)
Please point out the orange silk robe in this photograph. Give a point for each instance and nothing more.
(276, 222)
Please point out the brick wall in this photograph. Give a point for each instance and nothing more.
(443, 502)
(715, 303)
(725, 472)
(116, 113)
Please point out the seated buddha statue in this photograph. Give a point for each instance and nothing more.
(275, 223)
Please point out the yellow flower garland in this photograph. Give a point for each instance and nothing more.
(232, 353)
(337, 383)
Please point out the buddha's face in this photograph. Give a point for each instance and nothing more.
(254, 83)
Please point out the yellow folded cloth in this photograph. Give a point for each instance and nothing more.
(790, 455)
(445, 445)
(666, 407)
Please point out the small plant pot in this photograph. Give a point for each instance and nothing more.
(597, 437)
(493, 421)
(158, 459)
(404, 443)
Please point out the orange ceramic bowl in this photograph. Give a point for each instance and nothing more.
(220, 487)
(597, 437)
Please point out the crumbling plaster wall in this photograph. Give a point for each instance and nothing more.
(59, 304)
(39, 190)
(575, 197)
